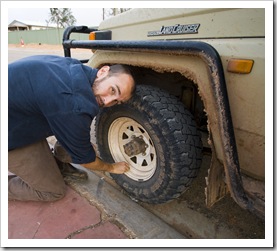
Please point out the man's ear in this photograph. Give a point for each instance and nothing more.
(103, 72)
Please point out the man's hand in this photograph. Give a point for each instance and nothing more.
(120, 167)
(99, 165)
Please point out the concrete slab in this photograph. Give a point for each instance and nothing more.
(71, 217)
(139, 222)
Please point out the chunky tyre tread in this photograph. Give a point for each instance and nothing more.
(178, 144)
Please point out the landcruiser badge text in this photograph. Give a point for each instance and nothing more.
(175, 30)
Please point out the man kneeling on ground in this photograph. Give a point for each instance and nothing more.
(52, 95)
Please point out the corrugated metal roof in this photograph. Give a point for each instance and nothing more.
(16, 23)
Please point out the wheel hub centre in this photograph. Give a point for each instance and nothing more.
(136, 146)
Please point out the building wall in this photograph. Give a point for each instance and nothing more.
(48, 36)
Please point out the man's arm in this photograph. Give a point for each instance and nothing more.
(99, 165)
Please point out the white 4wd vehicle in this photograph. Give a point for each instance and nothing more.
(199, 72)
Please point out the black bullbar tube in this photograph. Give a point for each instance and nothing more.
(210, 56)
(74, 29)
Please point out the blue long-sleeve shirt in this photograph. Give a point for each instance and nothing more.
(52, 95)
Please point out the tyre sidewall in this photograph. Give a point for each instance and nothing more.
(158, 181)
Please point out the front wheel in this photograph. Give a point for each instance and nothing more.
(159, 139)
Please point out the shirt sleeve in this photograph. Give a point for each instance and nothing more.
(73, 132)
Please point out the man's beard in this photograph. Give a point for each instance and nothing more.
(95, 90)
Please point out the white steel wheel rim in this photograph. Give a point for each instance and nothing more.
(121, 131)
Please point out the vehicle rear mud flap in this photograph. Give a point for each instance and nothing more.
(215, 188)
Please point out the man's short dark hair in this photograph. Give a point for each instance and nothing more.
(122, 69)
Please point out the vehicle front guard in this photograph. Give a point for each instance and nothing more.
(221, 119)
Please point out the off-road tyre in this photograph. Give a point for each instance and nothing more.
(174, 142)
